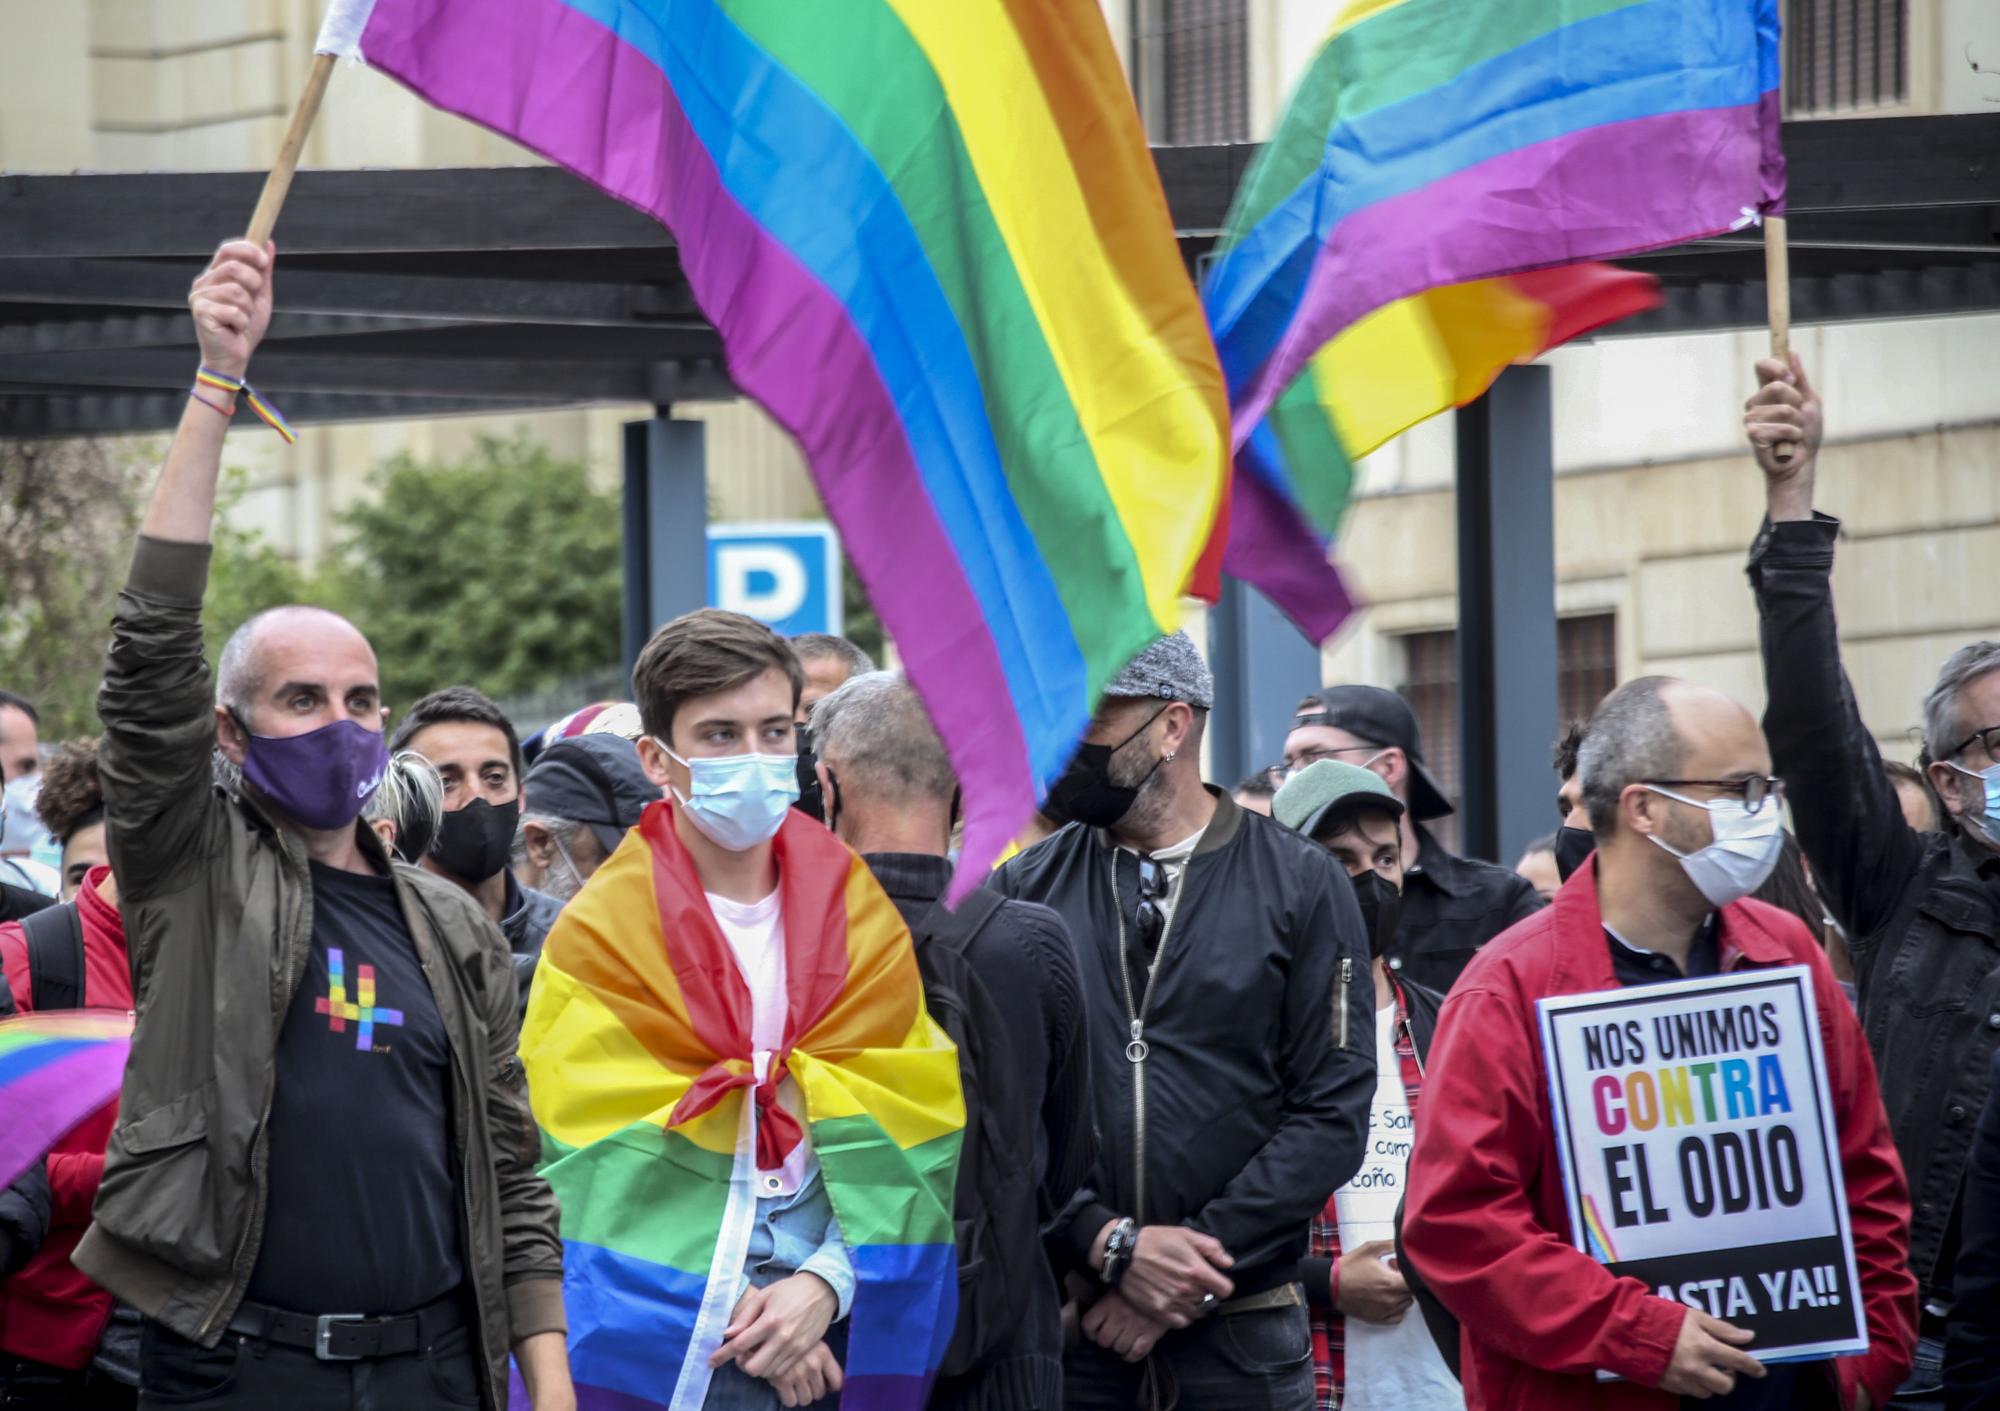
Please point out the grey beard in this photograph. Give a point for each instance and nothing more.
(1150, 808)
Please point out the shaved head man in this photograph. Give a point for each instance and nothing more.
(331, 1034)
(1688, 820)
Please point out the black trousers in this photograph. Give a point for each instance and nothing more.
(241, 1372)
(1260, 1361)
(33, 1385)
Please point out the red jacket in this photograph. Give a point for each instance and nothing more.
(48, 1311)
(1485, 1220)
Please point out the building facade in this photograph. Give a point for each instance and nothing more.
(1655, 501)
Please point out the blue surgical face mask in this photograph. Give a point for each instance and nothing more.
(1744, 851)
(1987, 820)
(738, 800)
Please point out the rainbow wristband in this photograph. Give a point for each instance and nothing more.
(205, 377)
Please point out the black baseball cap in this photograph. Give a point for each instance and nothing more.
(1383, 718)
(593, 779)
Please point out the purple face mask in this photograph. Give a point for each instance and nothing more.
(322, 778)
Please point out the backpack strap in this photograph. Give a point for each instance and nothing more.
(55, 957)
(958, 929)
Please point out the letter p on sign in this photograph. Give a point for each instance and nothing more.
(786, 575)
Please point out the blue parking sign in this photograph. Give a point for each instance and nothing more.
(786, 575)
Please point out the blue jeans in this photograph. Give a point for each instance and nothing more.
(1924, 1388)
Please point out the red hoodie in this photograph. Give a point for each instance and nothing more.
(48, 1311)
(1486, 1223)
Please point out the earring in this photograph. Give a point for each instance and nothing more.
(1171, 757)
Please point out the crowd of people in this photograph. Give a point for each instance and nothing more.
(1256, 1112)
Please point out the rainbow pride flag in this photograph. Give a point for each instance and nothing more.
(933, 240)
(1436, 142)
(1391, 369)
(637, 1046)
(55, 1070)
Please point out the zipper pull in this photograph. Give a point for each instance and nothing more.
(1346, 992)
(1136, 1049)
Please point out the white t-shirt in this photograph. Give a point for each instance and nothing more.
(1390, 1366)
(756, 935)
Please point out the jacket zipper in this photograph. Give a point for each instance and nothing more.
(1136, 1047)
(1346, 994)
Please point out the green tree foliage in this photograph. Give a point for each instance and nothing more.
(500, 570)
(69, 514)
(859, 624)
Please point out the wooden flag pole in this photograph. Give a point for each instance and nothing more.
(280, 180)
(1778, 304)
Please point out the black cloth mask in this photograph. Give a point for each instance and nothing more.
(811, 801)
(1085, 792)
(1381, 911)
(1573, 847)
(474, 842)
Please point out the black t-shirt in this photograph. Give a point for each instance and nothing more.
(362, 1215)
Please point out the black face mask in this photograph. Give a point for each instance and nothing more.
(474, 842)
(1573, 847)
(1381, 911)
(1085, 793)
(811, 801)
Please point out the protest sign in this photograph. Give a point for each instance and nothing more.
(1700, 1153)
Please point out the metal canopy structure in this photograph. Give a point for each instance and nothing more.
(420, 293)
(426, 293)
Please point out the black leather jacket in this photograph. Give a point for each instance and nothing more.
(1922, 910)
(1250, 1103)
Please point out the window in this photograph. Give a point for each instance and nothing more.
(1191, 69)
(1586, 670)
(1845, 54)
(1586, 664)
(1431, 686)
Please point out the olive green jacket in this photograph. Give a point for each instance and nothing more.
(217, 904)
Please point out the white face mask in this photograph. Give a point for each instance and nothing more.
(738, 800)
(1742, 856)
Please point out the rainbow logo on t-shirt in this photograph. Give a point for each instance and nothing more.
(339, 1010)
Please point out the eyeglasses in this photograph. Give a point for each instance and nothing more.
(1754, 789)
(1988, 738)
(1291, 765)
(1151, 917)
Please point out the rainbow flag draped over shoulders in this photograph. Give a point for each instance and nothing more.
(1436, 142)
(637, 1047)
(933, 240)
(55, 1070)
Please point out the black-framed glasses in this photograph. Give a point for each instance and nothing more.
(1988, 738)
(1151, 917)
(1753, 789)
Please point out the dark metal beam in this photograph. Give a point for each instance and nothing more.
(1262, 666)
(164, 284)
(55, 335)
(170, 213)
(665, 540)
(486, 342)
(277, 371)
(1713, 304)
(1506, 614)
(115, 413)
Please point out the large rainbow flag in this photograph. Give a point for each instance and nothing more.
(1436, 142)
(1395, 367)
(55, 1070)
(637, 1046)
(933, 240)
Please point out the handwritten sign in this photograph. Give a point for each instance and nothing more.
(1700, 1153)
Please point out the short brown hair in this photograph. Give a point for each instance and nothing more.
(700, 653)
(71, 798)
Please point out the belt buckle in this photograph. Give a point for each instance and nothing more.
(323, 1336)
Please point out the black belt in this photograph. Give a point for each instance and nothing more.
(348, 1337)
